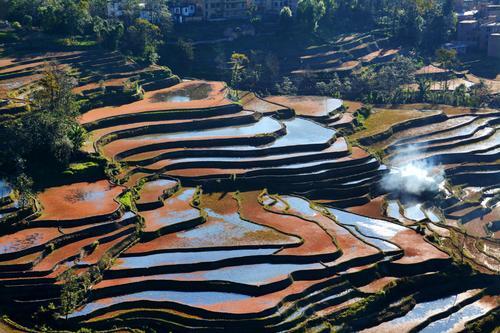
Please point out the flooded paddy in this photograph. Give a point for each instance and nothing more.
(79, 201)
(314, 240)
(5, 188)
(221, 242)
(420, 313)
(200, 298)
(26, 239)
(176, 209)
(308, 106)
(153, 101)
(189, 93)
(452, 132)
(136, 260)
(413, 211)
(415, 135)
(223, 228)
(456, 321)
(256, 274)
(153, 190)
(394, 210)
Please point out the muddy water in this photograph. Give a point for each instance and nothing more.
(452, 133)
(191, 93)
(432, 215)
(176, 209)
(371, 230)
(456, 321)
(152, 190)
(414, 212)
(418, 314)
(300, 131)
(180, 258)
(256, 274)
(393, 210)
(5, 189)
(490, 142)
(265, 125)
(199, 298)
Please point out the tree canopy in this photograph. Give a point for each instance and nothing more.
(50, 131)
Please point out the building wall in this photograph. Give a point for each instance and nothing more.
(468, 31)
(485, 31)
(216, 9)
(494, 45)
(493, 10)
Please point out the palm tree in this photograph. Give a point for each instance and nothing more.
(424, 86)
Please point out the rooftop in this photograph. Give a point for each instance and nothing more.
(468, 22)
(430, 69)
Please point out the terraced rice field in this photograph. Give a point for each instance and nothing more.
(261, 217)
(345, 54)
(463, 147)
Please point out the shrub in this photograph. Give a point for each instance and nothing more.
(16, 25)
(94, 245)
(50, 247)
(127, 200)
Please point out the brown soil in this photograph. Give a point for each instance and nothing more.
(312, 106)
(377, 285)
(216, 97)
(415, 248)
(372, 209)
(315, 239)
(251, 102)
(79, 200)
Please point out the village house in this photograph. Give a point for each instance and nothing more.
(478, 28)
(184, 11)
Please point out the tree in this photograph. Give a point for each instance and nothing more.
(480, 94)
(460, 95)
(143, 39)
(108, 32)
(159, 14)
(333, 88)
(179, 56)
(331, 7)
(389, 80)
(309, 12)
(286, 87)
(130, 12)
(24, 187)
(64, 16)
(71, 293)
(238, 63)
(74, 16)
(424, 87)
(253, 15)
(98, 8)
(45, 131)
(286, 19)
(447, 58)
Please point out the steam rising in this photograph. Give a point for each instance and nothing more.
(414, 177)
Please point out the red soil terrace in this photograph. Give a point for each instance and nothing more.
(79, 200)
(216, 97)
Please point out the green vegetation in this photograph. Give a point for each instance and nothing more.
(72, 292)
(127, 200)
(47, 137)
(238, 62)
(72, 19)
(382, 119)
(41, 144)
(487, 323)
